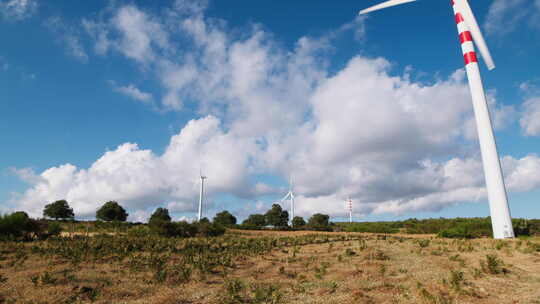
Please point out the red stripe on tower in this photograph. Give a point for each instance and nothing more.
(470, 57)
(459, 18)
(465, 37)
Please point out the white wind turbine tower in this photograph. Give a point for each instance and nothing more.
(201, 194)
(290, 196)
(349, 208)
(468, 32)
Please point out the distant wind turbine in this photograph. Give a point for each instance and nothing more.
(470, 34)
(290, 196)
(201, 194)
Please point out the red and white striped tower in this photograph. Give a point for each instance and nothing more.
(498, 201)
(349, 207)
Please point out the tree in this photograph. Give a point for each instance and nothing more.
(225, 218)
(111, 211)
(160, 221)
(160, 215)
(58, 210)
(298, 221)
(319, 222)
(255, 220)
(276, 216)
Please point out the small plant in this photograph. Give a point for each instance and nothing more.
(425, 294)
(423, 243)
(477, 273)
(457, 278)
(500, 244)
(321, 272)
(35, 280)
(233, 291)
(493, 265)
(88, 292)
(382, 270)
(331, 286)
(3, 279)
(47, 279)
(457, 258)
(266, 294)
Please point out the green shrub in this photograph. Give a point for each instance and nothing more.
(266, 294)
(17, 226)
(493, 265)
(456, 233)
(225, 218)
(255, 221)
(180, 229)
(209, 229)
(139, 231)
(298, 222)
(373, 227)
(319, 222)
(54, 229)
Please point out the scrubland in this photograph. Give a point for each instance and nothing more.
(270, 267)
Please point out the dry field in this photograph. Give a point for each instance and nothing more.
(271, 267)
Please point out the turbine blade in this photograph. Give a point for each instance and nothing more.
(285, 197)
(384, 5)
(466, 11)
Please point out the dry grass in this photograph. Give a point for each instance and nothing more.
(370, 269)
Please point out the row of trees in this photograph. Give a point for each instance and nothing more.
(279, 218)
(109, 212)
(275, 216)
(161, 223)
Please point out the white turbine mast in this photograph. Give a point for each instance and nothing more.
(290, 196)
(201, 194)
(349, 208)
(469, 35)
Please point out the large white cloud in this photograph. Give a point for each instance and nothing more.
(139, 179)
(392, 144)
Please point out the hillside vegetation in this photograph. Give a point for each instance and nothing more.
(270, 267)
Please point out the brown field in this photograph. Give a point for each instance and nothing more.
(298, 268)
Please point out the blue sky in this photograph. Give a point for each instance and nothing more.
(127, 100)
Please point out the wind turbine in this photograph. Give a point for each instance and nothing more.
(290, 196)
(349, 207)
(470, 34)
(201, 193)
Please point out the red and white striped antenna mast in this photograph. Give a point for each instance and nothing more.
(469, 35)
(349, 208)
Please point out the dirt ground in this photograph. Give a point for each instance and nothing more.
(369, 269)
